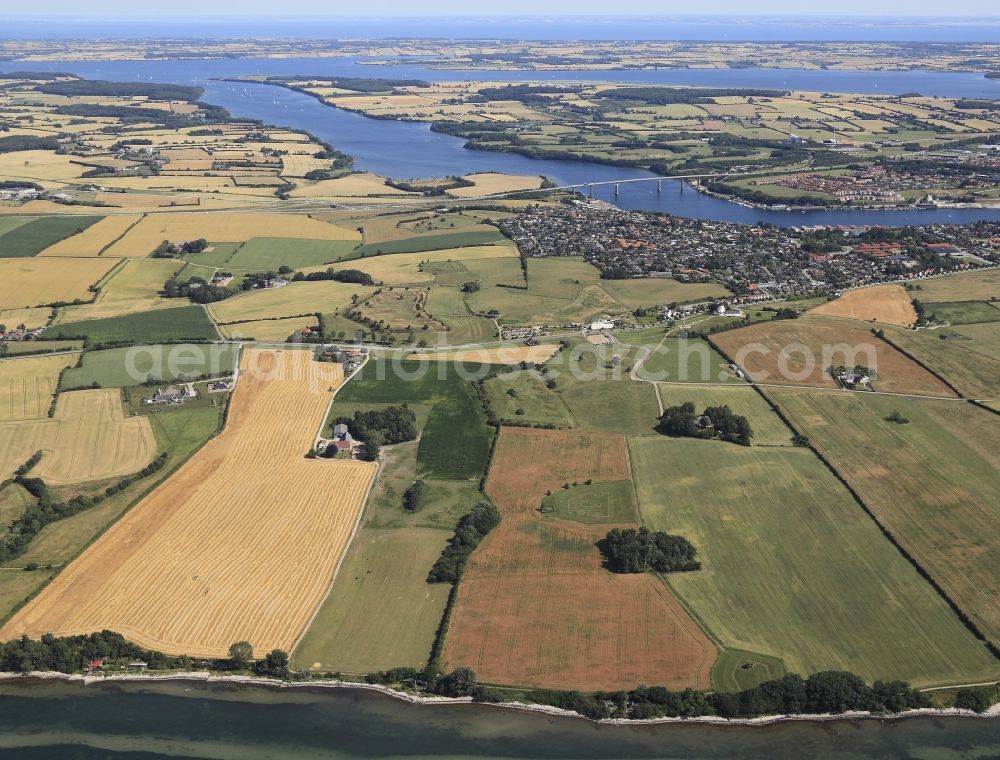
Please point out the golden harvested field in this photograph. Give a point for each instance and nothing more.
(404, 268)
(27, 385)
(889, 304)
(501, 355)
(350, 186)
(294, 299)
(36, 281)
(92, 240)
(801, 352)
(27, 317)
(240, 543)
(89, 438)
(222, 228)
(536, 608)
(965, 286)
(45, 167)
(492, 182)
(132, 288)
(267, 329)
(145, 200)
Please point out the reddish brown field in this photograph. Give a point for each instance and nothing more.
(535, 607)
(801, 352)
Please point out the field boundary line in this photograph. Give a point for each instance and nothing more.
(107, 247)
(965, 619)
(357, 522)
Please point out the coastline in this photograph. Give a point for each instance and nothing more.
(207, 678)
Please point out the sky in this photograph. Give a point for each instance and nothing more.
(176, 9)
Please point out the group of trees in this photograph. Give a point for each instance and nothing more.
(413, 496)
(640, 551)
(355, 276)
(197, 290)
(167, 250)
(394, 424)
(469, 532)
(715, 422)
(70, 654)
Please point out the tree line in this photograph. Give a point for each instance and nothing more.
(471, 529)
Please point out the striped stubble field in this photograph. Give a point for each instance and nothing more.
(241, 543)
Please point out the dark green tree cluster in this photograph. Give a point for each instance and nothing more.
(413, 497)
(100, 88)
(274, 664)
(471, 529)
(197, 290)
(395, 424)
(715, 422)
(627, 550)
(14, 143)
(70, 654)
(355, 276)
(663, 96)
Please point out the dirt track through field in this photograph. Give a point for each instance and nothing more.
(240, 543)
(536, 608)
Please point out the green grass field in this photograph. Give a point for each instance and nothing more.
(660, 291)
(432, 242)
(683, 360)
(736, 670)
(794, 568)
(37, 235)
(610, 502)
(182, 323)
(40, 347)
(963, 312)
(598, 392)
(265, 254)
(123, 367)
(932, 482)
(456, 441)
(963, 360)
(525, 390)
(8, 223)
(381, 612)
(13, 501)
(217, 257)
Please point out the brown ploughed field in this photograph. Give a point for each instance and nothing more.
(536, 608)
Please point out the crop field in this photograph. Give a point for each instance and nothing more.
(683, 360)
(464, 239)
(491, 182)
(660, 291)
(292, 300)
(963, 312)
(267, 329)
(131, 288)
(89, 438)
(37, 235)
(887, 304)
(964, 357)
(36, 281)
(535, 607)
(455, 443)
(227, 227)
(124, 367)
(30, 318)
(406, 268)
(604, 503)
(198, 534)
(522, 396)
(964, 286)
(931, 482)
(400, 310)
(28, 384)
(179, 323)
(94, 239)
(269, 253)
(511, 354)
(801, 352)
(381, 611)
(794, 568)
(768, 429)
